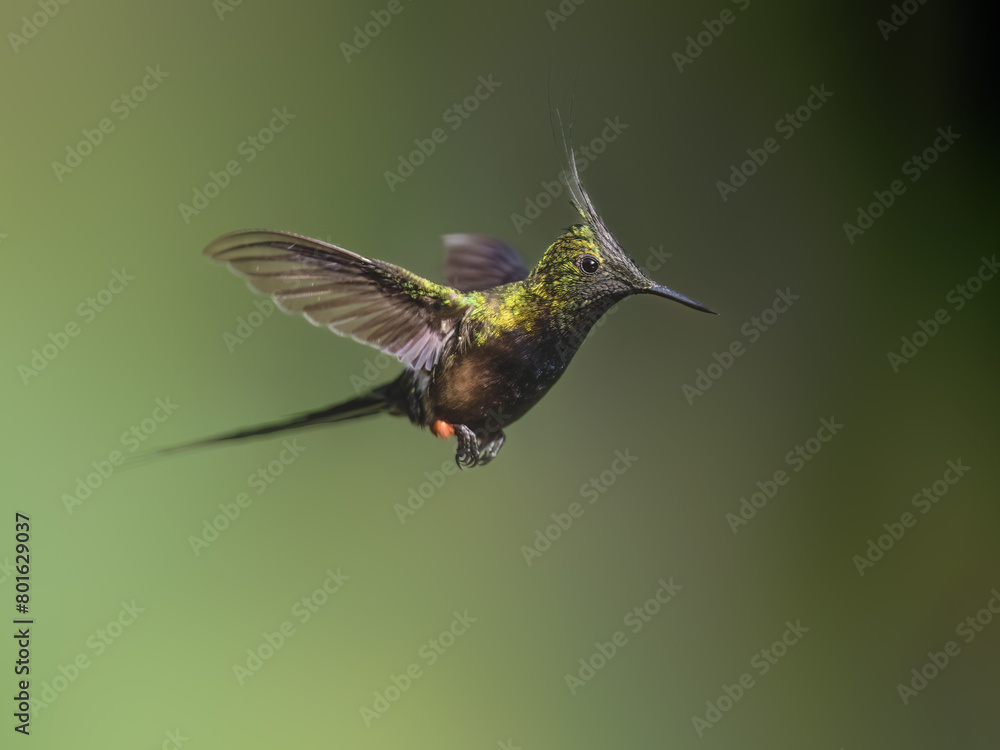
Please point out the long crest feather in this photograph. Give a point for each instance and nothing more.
(578, 194)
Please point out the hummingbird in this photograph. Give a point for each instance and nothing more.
(479, 350)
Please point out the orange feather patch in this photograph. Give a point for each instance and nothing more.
(442, 429)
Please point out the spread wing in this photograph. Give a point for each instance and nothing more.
(475, 261)
(371, 301)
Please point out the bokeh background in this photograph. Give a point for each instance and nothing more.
(168, 676)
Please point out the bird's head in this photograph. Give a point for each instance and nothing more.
(586, 268)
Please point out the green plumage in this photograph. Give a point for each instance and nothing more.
(479, 350)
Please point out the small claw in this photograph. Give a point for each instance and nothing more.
(467, 454)
(465, 460)
(491, 449)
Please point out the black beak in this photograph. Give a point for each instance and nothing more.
(662, 291)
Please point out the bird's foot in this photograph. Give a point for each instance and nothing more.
(467, 454)
(470, 452)
(492, 447)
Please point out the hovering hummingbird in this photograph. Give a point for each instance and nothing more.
(479, 351)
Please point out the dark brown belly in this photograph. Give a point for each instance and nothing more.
(489, 387)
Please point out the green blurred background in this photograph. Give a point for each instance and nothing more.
(167, 678)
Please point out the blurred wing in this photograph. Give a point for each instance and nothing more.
(475, 261)
(373, 302)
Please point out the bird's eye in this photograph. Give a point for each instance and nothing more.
(588, 264)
